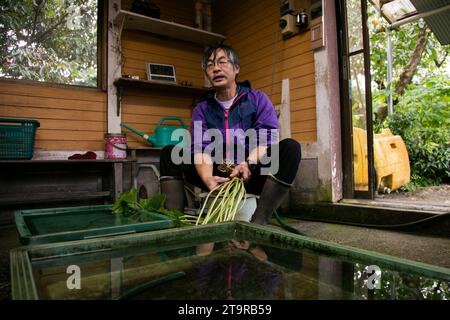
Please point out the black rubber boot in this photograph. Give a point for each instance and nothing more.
(173, 188)
(270, 199)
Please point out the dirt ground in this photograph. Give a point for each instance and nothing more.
(439, 195)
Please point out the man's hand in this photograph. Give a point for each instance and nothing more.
(243, 170)
(254, 250)
(214, 181)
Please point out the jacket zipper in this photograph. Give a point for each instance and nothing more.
(227, 138)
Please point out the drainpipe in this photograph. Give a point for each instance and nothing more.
(389, 73)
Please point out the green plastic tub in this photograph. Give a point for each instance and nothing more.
(231, 260)
(77, 223)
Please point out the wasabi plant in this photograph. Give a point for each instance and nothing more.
(229, 198)
(128, 205)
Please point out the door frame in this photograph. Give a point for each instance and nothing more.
(346, 108)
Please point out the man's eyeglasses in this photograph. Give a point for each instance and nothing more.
(221, 63)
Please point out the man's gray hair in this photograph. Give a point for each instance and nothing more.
(232, 55)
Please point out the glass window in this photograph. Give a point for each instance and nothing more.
(49, 41)
(355, 37)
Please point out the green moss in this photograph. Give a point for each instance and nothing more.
(325, 192)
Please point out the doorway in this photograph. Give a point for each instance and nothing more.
(356, 100)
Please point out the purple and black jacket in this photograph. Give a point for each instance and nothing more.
(251, 109)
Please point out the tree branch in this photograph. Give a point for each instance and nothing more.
(41, 36)
(414, 61)
(36, 13)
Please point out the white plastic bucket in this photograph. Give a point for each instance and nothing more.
(115, 146)
(245, 213)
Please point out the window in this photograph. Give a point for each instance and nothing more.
(50, 41)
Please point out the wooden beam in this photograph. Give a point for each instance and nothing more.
(285, 111)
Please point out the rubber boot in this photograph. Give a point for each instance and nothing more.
(270, 199)
(173, 188)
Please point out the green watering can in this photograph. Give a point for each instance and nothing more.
(162, 135)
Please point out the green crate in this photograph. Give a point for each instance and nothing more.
(77, 223)
(17, 138)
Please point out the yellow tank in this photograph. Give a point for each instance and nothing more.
(360, 164)
(390, 157)
(391, 161)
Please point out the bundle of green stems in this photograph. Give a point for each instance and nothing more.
(229, 198)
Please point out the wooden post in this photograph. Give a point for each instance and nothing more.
(118, 180)
(285, 111)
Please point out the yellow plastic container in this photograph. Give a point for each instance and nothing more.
(390, 157)
(391, 161)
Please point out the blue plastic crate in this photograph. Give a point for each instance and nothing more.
(17, 138)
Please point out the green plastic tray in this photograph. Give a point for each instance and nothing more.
(108, 264)
(77, 223)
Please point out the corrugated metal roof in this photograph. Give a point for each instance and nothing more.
(439, 23)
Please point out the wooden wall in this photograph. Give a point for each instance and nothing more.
(252, 28)
(71, 118)
(142, 109)
(75, 118)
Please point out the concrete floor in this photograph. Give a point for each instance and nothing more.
(423, 248)
(426, 249)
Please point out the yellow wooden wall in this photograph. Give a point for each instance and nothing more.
(142, 109)
(252, 28)
(75, 118)
(71, 118)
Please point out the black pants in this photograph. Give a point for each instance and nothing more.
(289, 160)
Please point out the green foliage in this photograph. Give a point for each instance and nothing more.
(55, 41)
(403, 41)
(422, 119)
(400, 286)
(416, 183)
(129, 205)
(422, 114)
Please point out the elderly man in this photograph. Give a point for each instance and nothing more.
(233, 110)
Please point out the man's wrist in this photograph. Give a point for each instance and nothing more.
(245, 162)
(250, 164)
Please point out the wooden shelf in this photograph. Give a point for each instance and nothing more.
(45, 197)
(159, 85)
(134, 21)
(122, 83)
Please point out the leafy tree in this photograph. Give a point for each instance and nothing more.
(49, 40)
(420, 89)
(417, 57)
(422, 119)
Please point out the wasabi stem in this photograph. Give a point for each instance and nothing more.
(229, 199)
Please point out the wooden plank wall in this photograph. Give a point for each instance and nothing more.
(252, 28)
(142, 109)
(75, 118)
(71, 118)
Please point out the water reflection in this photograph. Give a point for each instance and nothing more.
(232, 269)
(400, 286)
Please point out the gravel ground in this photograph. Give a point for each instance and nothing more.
(439, 195)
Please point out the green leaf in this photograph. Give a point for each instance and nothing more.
(126, 202)
(155, 203)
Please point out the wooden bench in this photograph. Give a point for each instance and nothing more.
(45, 182)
